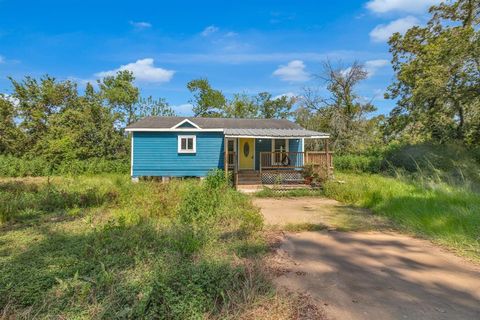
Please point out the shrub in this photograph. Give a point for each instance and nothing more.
(189, 290)
(132, 252)
(19, 200)
(450, 163)
(22, 167)
(358, 163)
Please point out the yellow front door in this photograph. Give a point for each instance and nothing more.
(246, 150)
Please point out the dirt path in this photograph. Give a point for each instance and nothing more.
(369, 275)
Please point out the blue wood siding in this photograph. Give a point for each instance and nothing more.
(186, 125)
(261, 145)
(295, 145)
(156, 154)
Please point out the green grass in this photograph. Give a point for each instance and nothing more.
(448, 215)
(273, 193)
(103, 247)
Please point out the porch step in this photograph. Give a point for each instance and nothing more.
(249, 182)
(248, 177)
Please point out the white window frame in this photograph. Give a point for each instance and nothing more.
(287, 147)
(235, 162)
(180, 150)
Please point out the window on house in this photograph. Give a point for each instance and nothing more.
(187, 144)
(231, 151)
(280, 147)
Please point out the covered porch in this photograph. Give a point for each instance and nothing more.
(275, 156)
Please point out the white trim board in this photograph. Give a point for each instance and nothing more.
(131, 156)
(179, 144)
(185, 121)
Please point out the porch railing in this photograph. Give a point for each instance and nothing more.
(280, 161)
(284, 163)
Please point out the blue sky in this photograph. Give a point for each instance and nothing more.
(240, 46)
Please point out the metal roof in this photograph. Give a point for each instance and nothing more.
(275, 133)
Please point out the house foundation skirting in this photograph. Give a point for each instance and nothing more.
(282, 177)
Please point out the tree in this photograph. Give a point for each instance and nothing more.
(437, 69)
(86, 131)
(10, 136)
(153, 107)
(121, 94)
(241, 106)
(52, 120)
(342, 113)
(37, 101)
(279, 108)
(207, 102)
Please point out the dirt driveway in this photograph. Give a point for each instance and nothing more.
(369, 274)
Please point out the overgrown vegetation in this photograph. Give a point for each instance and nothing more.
(36, 167)
(102, 247)
(276, 193)
(448, 215)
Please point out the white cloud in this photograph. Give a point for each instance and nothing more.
(371, 66)
(410, 6)
(183, 109)
(231, 34)
(286, 94)
(2, 59)
(209, 30)
(141, 24)
(382, 32)
(8, 97)
(293, 71)
(143, 70)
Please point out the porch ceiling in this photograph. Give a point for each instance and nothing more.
(274, 133)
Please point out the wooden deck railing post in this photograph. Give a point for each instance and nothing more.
(261, 163)
(327, 160)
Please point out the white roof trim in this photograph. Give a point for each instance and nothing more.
(185, 121)
(172, 130)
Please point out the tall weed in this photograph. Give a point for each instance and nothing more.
(446, 214)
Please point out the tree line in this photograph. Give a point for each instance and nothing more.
(436, 92)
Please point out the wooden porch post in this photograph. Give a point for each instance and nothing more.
(327, 155)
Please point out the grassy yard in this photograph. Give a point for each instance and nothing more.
(449, 216)
(102, 247)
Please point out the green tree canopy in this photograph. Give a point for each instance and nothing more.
(340, 112)
(10, 135)
(121, 94)
(269, 107)
(437, 70)
(207, 102)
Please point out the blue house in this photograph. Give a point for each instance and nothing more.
(254, 150)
